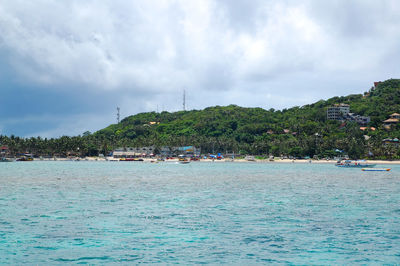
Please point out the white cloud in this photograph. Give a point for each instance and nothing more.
(258, 53)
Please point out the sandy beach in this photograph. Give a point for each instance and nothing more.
(152, 160)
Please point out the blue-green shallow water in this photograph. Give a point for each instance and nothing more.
(235, 213)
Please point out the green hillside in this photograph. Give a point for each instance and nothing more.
(298, 131)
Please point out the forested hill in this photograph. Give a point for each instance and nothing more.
(298, 131)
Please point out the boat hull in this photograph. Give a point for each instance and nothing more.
(376, 169)
(355, 165)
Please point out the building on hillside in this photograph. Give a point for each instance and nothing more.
(341, 112)
(359, 119)
(369, 128)
(376, 83)
(391, 142)
(392, 120)
(338, 111)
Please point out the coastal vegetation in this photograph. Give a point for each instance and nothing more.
(297, 131)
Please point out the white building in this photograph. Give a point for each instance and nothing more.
(338, 111)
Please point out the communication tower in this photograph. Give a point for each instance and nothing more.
(184, 100)
(118, 116)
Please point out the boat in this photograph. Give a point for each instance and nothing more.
(250, 158)
(131, 159)
(376, 169)
(182, 159)
(356, 164)
(25, 159)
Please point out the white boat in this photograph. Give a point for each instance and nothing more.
(357, 164)
(250, 158)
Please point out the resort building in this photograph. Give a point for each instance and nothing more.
(166, 151)
(341, 112)
(359, 119)
(4, 151)
(393, 120)
(190, 151)
(134, 152)
(338, 111)
(151, 151)
(391, 142)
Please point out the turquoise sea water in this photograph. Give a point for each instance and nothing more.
(235, 213)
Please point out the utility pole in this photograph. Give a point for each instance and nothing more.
(118, 116)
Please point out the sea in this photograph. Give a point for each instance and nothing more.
(108, 213)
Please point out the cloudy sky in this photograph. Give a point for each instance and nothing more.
(65, 65)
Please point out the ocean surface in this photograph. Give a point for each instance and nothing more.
(200, 213)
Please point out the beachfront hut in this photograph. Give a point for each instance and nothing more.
(4, 150)
(190, 151)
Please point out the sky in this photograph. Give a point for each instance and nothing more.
(66, 65)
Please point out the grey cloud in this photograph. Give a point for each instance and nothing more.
(95, 55)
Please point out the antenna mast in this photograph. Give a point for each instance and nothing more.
(184, 100)
(118, 115)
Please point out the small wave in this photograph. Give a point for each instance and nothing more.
(263, 239)
(397, 211)
(83, 258)
(131, 258)
(45, 248)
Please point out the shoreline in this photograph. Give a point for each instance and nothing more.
(279, 161)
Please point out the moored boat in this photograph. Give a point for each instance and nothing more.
(131, 159)
(182, 159)
(357, 164)
(249, 158)
(376, 169)
(25, 159)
